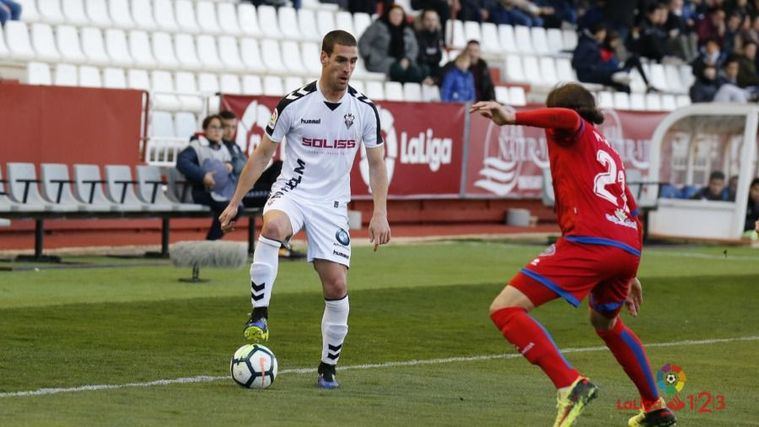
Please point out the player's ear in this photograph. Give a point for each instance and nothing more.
(324, 58)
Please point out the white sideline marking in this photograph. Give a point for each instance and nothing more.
(207, 378)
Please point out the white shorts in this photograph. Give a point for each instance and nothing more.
(326, 227)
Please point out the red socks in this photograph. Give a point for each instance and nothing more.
(535, 344)
(629, 352)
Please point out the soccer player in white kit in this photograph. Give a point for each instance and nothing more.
(324, 124)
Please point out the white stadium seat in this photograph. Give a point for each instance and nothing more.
(310, 52)
(653, 102)
(230, 83)
(50, 12)
(344, 21)
(67, 39)
(539, 40)
(570, 39)
(672, 74)
(44, 43)
(94, 46)
(506, 36)
(361, 21)
(38, 73)
(682, 101)
(251, 55)
(208, 53)
(412, 92)
(22, 185)
(291, 58)
(430, 93)
(455, 30)
(522, 39)
(513, 69)
(227, 14)
(97, 11)
(139, 49)
(517, 96)
(185, 15)
(307, 25)
(532, 70)
(393, 91)
(87, 188)
(375, 90)
(292, 83)
(472, 31)
(121, 16)
(207, 20)
(142, 12)
(564, 70)
(502, 94)
(163, 92)
(138, 79)
(656, 76)
(163, 12)
(273, 57)
(73, 11)
(637, 102)
(208, 83)
(325, 21)
(621, 101)
(686, 76)
(229, 54)
(4, 52)
(184, 47)
(668, 102)
(66, 75)
(17, 41)
(163, 50)
(267, 20)
(89, 76)
(29, 11)
(358, 85)
(118, 51)
(248, 20)
(286, 17)
(490, 41)
(56, 187)
(554, 39)
(605, 99)
(273, 86)
(188, 91)
(251, 85)
(185, 125)
(114, 78)
(548, 70)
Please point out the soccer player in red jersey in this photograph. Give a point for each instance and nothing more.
(598, 254)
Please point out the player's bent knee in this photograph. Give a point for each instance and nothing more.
(276, 230)
(510, 297)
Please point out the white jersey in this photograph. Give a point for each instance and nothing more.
(322, 140)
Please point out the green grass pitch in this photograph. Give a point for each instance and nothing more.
(421, 349)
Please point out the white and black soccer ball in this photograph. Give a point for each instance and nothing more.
(253, 366)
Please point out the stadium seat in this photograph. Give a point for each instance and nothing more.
(325, 22)
(653, 102)
(621, 101)
(97, 11)
(208, 53)
(38, 73)
(43, 43)
(375, 91)
(94, 47)
(88, 188)
(605, 99)
(67, 39)
(522, 39)
(56, 188)
(686, 76)
(251, 85)
(163, 92)
(273, 86)
(412, 92)
(454, 29)
(184, 46)
(361, 21)
(554, 40)
(139, 49)
(185, 14)
(430, 93)
(22, 186)
(208, 83)
(311, 61)
(229, 53)
(138, 79)
(185, 125)
(121, 16)
(344, 21)
(291, 57)
(230, 83)
(682, 101)
(502, 94)
(517, 97)
(50, 12)
(637, 84)
(307, 25)
(150, 190)
(668, 102)
(120, 189)
(114, 78)
(29, 12)
(513, 70)
(248, 20)
(506, 36)
(637, 102)
(267, 20)
(228, 21)
(657, 77)
(65, 75)
(73, 12)
(532, 70)
(251, 55)
(564, 70)
(89, 76)
(570, 39)
(142, 13)
(548, 71)
(206, 13)
(393, 91)
(188, 92)
(539, 40)
(292, 83)
(472, 31)
(489, 40)
(273, 57)
(4, 52)
(672, 74)
(17, 40)
(163, 12)
(163, 50)
(286, 17)
(116, 44)
(358, 85)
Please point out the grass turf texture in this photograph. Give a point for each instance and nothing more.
(67, 328)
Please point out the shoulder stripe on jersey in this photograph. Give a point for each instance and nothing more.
(289, 99)
(363, 98)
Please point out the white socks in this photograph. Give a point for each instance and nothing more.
(263, 271)
(334, 329)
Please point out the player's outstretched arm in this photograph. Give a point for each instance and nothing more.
(494, 111)
(379, 228)
(253, 169)
(635, 297)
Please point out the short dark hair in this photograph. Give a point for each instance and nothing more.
(717, 175)
(754, 182)
(337, 37)
(473, 41)
(207, 120)
(575, 97)
(428, 10)
(227, 115)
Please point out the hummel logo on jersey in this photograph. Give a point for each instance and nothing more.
(310, 121)
(348, 120)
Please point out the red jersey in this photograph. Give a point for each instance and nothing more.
(593, 203)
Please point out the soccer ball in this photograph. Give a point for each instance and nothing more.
(253, 366)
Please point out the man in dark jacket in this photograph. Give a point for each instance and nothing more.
(705, 86)
(747, 75)
(431, 46)
(713, 191)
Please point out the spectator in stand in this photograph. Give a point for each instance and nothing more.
(521, 12)
(458, 82)
(564, 12)
(442, 7)
(207, 165)
(731, 42)
(229, 130)
(713, 191)
(752, 210)
(732, 189)
(711, 56)
(9, 9)
(389, 46)
(747, 75)
(729, 91)
(705, 86)
(711, 26)
(680, 25)
(619, 15)
(483, 83)
(473, 10)
(595, 62)
(648, 38)
(431, 45)
(741, 7)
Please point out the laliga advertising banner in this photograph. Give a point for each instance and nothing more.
(423, 144)
(508, 161)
